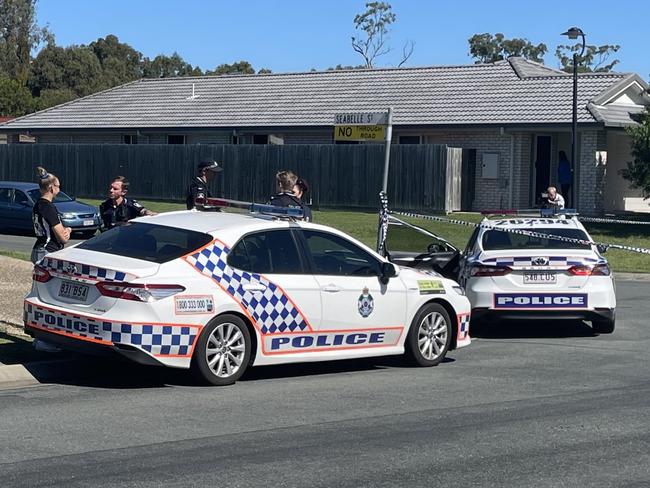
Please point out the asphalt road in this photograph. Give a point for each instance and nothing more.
(23, 243)
(527, 404)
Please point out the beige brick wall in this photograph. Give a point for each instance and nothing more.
(591, 182)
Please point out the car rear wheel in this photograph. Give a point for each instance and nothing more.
(223, 351)
(604, 326)
(429, 336)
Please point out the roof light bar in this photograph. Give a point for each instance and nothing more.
(531, 212)
(258, 208)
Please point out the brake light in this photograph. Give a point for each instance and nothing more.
(583, 270)
(490, 270)
(139, 292)
(41, 274)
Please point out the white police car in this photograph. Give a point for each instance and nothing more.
(510, 275)
(222, 291)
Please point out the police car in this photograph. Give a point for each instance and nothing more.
(522, 274)
(220, 291)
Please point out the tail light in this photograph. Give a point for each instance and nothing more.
(41, 274)
(138, 292)
(583, 270)
(490, 270)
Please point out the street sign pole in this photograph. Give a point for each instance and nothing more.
(389, 136)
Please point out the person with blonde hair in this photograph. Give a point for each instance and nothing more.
(286, 181)
(51, 235)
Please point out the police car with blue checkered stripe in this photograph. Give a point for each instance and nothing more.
(219, 291)
(510, 270)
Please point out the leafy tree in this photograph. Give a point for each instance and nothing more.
(119, 61)
(238, 68)
(263, 71)
(638, 170)
(50, 98)
(339, 67)
(19, 34)
(167, 66)
(15, 98)
(374, 23)
(594, 58)
(486, 48)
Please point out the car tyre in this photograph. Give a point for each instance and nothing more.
(223, 351)
(429, 337)
(604, 326)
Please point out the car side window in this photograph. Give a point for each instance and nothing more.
(471, 242)
(5, 195)
(268, 252)
(20, 198)
(334, 255)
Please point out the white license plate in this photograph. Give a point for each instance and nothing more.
(539, 278)
(88, 223)
(74, 291)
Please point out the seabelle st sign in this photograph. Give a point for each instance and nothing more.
(360, 126)
(361, 118)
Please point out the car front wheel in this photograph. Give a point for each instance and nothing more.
(605, 326)
(430, 335)
(223, 351)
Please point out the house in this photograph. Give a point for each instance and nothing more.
(512, 117)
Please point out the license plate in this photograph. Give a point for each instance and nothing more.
(74, 291)
(539, 278)
(88, 223)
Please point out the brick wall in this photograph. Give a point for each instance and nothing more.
(591, 182)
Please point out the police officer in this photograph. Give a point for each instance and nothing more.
(286, 197)
(198, 188)
(117, 209)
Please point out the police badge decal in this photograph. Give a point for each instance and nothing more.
(366, 304)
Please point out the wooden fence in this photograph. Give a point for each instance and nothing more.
(343, 176)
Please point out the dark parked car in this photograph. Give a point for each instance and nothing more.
(17, 200)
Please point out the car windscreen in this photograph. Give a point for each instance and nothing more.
(403, 238)
(496, 240)
(60, 197)
(148, 242)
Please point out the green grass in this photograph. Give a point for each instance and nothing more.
(25, 256)
(363, 226)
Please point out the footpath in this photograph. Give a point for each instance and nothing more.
(20, 363)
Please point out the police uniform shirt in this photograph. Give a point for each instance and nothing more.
(197, 189)
(45, 217)
(285, 199)
(113, 215)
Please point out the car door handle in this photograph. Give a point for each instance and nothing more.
(254, 287)
(331, 288)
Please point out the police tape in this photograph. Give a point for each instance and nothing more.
(529, 233)
(599, 220)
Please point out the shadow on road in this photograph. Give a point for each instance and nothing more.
(531, 329)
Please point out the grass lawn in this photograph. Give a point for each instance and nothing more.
(363, 226)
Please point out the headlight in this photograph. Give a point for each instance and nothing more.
(459, 289)
(68, 216)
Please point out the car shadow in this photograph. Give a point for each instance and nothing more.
(531, 329)
(88, 371)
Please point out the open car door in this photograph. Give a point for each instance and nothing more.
(414, 247)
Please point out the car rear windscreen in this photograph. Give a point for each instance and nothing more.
(495, 240)
(148, 242)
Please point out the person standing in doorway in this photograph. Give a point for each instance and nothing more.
(199, 186)
(117, 209)
(564, 174)
(51, 235)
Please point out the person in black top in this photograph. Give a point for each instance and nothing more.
(286, 197)
(50, 234)
(117, 209)
(199, 186)
(300, 190)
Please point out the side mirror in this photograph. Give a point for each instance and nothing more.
(602, 249)
(388, 271)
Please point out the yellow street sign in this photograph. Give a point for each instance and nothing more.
(359, 132)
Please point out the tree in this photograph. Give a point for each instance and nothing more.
(167, 66)
(238, 68)
(374, 23)
(485, 48)
(50, 98)
(638, 170)
(594, 58)
(339, 67)
(15, 98)
(120, 62)
(19, 35)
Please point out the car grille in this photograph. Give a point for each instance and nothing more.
(86, 216)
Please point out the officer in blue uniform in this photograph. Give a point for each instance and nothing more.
(117, 209)
(199, 186)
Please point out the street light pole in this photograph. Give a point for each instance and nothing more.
(573, 33)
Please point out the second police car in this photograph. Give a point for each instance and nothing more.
(221, 291)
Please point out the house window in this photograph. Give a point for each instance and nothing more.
(260, 139)
(130, 139)
(174, 139)
(409, 139)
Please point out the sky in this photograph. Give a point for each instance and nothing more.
(292, 35)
